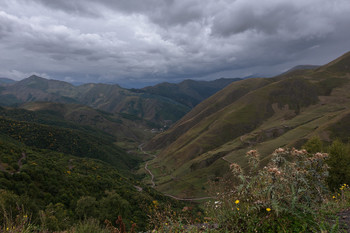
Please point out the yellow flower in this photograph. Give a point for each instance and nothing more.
(237, 201)
(237, 208)
(155, 203)
(333, 197)
(268, 209)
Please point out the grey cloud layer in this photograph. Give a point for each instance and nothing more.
(167, 39)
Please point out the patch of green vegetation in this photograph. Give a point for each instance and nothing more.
(47, 131)
(339, 163)
(60, 189)
(171, 112)
(67, 141)
(341, 129)
(47, 117)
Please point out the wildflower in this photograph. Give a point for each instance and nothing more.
(268, 209)
(274, 171)
(155, 202)
(333, 197)
(253, 153)
(25, 216)
(237, 201)
(236, 169)
(237, 208)
(318, 156)
(280, 150)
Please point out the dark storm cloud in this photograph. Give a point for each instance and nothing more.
(72, 7)
(161, 40)
(238, 19)
(162, 12)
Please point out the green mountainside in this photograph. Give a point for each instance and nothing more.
(128, 129)
(42, 130)
(65, 169)
(263, 114)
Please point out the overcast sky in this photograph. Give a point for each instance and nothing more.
(135, 42)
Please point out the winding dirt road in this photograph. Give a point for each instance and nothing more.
(226, 160)
(152, 176)
(19, 163)
(188, 199)
(146, 165)
(168, 195)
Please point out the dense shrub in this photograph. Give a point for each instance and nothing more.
(339, 163)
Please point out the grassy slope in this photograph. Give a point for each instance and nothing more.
(283, 112)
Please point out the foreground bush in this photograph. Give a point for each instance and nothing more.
(284, 196)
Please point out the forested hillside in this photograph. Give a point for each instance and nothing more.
(61, 172)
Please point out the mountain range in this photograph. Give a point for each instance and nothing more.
(151, 103)
(256, 113)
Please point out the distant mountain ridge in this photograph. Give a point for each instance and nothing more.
(257, 113)
(6, 81)
(189, 92)
(149, 104)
